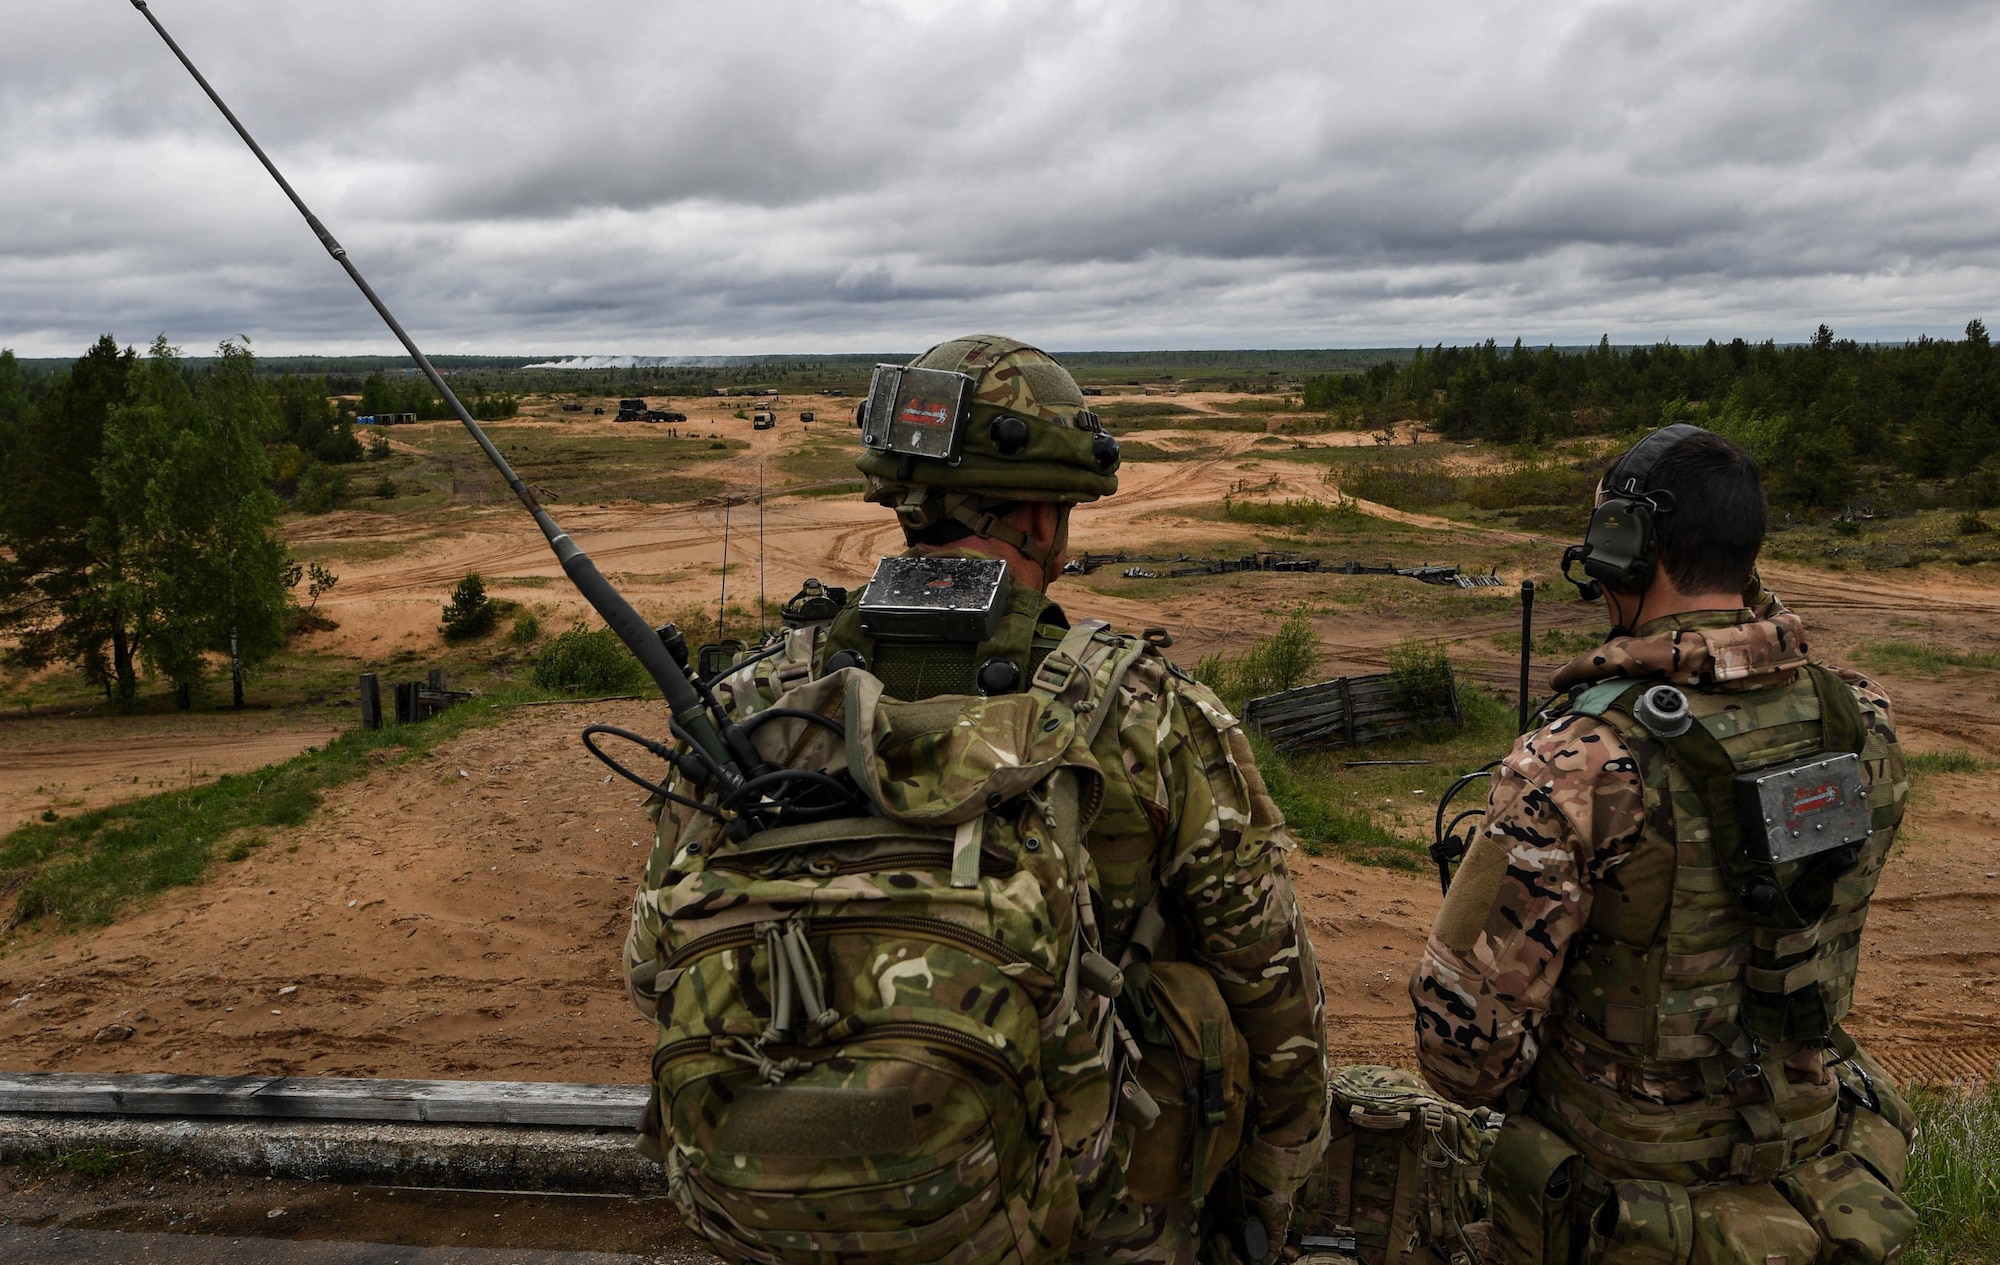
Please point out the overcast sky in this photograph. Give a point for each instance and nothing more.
(687, 178)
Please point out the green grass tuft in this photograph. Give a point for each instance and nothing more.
(1947, 762)
(1954, 1176)
(1891, 656)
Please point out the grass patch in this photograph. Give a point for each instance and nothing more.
(1954, 1176)
(1912, 657)
(1384, 815)
(1304, 513)
(840, 490)
(1551, 642)
(83, 871)
(1906, 538)
(1947, 762)
(88, 1162)
(577, 467)
(589, 661)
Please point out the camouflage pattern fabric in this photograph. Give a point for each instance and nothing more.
(1588, 971)
(1404, 1173)
(1568, 806)
(1180, 808)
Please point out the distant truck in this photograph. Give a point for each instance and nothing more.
(806, 416)
(763, 419)
(662, 415)
(572, 407)
(386, 419)
(630, 410)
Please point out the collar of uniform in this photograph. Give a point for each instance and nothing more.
(1733, 649)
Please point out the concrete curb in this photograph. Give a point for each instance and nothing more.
(481, 1157)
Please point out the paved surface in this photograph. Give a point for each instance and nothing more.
(20, 1246)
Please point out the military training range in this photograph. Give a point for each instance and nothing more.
(982, 802)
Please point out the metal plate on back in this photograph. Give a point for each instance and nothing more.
(936, 599)
(1807, 807)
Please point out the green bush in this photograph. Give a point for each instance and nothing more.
(1971, 524)
(1306, 513)
(470, 613)
(527, 629)
(1282, 661)
(1420, 676)
(386, 489)
(589, 661)
(320, 488)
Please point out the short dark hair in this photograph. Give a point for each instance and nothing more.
(1710, 539)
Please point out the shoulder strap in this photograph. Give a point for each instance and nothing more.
(1593, 700)
(1840, 718)
(1079, 653)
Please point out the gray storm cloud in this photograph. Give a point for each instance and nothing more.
(703, 179)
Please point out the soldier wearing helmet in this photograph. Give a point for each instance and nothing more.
(1187, 828)
(982, 447)
(1649, 947)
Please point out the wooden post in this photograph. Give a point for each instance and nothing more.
(1347, 710)
(1527, 635)
(406, 702)
(235, 670)
(437, 678)
(371, 701)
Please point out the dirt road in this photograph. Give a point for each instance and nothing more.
(461, 916)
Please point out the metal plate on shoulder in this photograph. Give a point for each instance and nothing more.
(936, 599)
(1806, 807)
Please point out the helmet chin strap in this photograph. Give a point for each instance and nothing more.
(969, 508)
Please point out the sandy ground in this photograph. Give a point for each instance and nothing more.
(460, 916)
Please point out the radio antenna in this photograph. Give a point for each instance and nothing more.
(722, 598)
(760, 548)
(722, 743)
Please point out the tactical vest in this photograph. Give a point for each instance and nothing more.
(1675, 979)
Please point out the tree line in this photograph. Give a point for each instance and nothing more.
(139, 512)
(1830, 420)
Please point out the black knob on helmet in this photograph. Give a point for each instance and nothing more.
(1009, 434)
(1105, 449)
(846, 659)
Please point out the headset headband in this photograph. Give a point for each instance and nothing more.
(1634, 468)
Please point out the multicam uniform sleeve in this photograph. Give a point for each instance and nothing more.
(1566, 808)
(1224, 865)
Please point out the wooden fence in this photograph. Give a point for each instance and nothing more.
(1348, 711)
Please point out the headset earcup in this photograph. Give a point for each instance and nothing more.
(1619, 547)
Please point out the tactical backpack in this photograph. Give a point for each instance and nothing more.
(1403, 1180)
(891, 1036)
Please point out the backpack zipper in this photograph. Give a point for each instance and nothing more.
(900, 1029)
(919, 928)
(989, 865)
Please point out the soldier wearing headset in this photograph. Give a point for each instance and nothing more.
(1649, 946)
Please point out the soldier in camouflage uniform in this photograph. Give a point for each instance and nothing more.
(1680, 1084)
(1188, 847)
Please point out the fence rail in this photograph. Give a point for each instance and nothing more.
(1349, 711)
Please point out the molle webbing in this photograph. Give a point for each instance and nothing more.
(1673, 981)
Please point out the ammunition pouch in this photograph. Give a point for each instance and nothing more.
(1196, 1066)
(1534, 1182)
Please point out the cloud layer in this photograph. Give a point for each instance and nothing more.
(682, 178)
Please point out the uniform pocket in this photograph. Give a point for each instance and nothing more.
(1532, 1177)
(1643, 1223)
(1877, 1143)
(1857, 1217)
(1750, 1225)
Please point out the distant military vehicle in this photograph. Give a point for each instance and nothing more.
(630, 410)
(763, 419)
(662, 415)
(572, 407)
(599, 410)
(806, 416)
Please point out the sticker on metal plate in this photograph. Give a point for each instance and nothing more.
(1807, 807)
(917, 412)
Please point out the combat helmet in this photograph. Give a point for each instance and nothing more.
(1026, 436)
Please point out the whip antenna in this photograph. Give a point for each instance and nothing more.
(722, 597)
(760, 548)
(690, 712)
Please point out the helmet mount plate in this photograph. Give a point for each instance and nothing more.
(916, 412)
